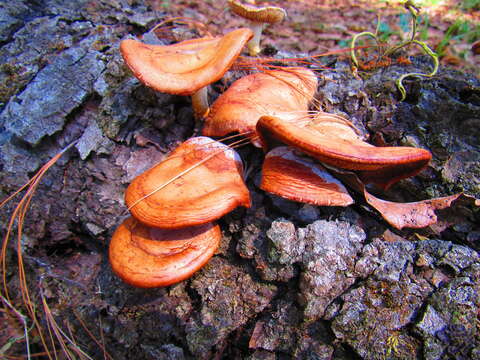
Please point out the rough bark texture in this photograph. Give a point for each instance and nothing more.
(290, 280)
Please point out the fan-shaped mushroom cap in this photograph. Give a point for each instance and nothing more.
(326, 139)
(283, 93)
(301, 179)
(199, 182)
(186, 67)
(147, 257)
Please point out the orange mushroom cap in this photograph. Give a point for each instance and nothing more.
(297, 178)
(327, 140)
(283, 93)
(148, 257)
(185, 67)
(200, 181)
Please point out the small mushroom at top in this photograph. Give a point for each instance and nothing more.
(185, 68)
(200, 181)
(258, 17)
(333, 141)
(289, 175)
(476, 47)
(285, 93)
(148, 257)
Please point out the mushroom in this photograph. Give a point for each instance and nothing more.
(418, 214)
(148, 257)
(334, 142)
(185, 68)
(199, 182)
(476, 47)
(285, 93)
(297, 178)
(257, 17)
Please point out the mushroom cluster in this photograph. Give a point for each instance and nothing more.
(171, 233)
(309, 158)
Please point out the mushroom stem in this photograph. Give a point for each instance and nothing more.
(200, 103)
(254, 44)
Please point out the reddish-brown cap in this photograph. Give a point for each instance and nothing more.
(186, 67)
(284, 93)
(150, 257)
(299, 178)
(327, 140)
(267, 14)
(199, 182)
(476, 47)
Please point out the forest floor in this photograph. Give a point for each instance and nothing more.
(316, 26)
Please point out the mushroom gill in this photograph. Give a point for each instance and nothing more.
(302, 179)
(334, 142)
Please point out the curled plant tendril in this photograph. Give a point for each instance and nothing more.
(354, 40)
(414, 11)
(434, 57)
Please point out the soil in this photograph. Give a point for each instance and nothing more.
(319, 26)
